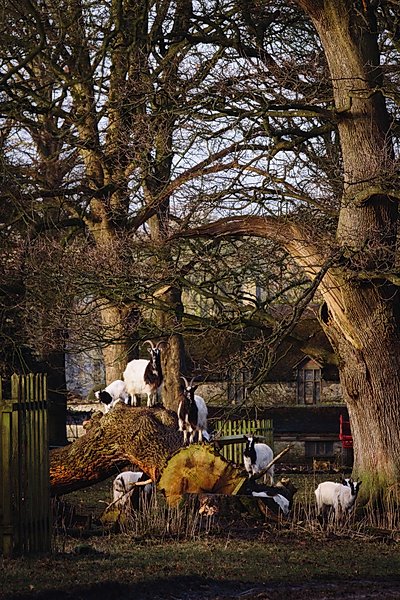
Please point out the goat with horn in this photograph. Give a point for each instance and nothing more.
(143, 376)
(192, 413)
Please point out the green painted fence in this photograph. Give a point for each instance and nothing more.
(229, 435)
(25, 523)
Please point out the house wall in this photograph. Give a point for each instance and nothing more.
(297, 454)
(269, 394)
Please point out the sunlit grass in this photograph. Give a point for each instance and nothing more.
(176, 543)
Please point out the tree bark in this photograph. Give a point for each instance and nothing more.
(370, 355)
(370, 381)
(168, 318)
(146, 437)
(115, 353)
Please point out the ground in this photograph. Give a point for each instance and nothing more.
(195, 588)
(160, 559)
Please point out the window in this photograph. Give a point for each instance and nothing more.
(237, 385)
(319, 449)
(309, 383)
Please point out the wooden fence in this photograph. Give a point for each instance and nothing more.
(25, 523)
(230, 435)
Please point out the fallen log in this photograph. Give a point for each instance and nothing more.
(148, 438)
(145, 437)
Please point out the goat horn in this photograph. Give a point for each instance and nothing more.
(149, 342)
(185, 380)
(161, 342)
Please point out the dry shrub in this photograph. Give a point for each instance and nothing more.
(155, 519)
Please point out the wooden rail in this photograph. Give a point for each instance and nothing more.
(228, 435)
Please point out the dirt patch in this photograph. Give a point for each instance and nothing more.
(195, 588)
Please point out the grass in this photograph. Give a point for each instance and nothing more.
(269, 559)
(165, 549)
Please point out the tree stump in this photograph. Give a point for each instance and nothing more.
(197, 469)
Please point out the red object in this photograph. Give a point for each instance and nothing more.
(345, 433)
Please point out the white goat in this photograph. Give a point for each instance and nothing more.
(143, 376)
(337, 496)
(192, 414)
(126, 493)
(257, 456)
(113, 393)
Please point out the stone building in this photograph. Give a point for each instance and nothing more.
(300, 393)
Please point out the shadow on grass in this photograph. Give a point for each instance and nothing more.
(200, 588)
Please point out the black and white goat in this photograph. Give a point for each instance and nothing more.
(113, 393)
(143, 376)
(192, 414)
(256, 457)
(340, 497)
(277, 499)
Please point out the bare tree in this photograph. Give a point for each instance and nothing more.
(270, 119)
(95, 91)
(110, 111)
(354, 262)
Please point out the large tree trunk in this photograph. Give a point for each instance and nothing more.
(370, 380)
(115, 353)
(168, 320)
(361, 311)
(368, 349)
(173, 367)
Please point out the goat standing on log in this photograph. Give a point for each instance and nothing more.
(113, 393)
(143, 376)
(192, 413)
